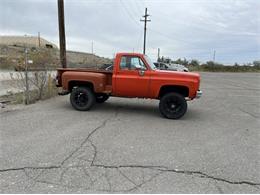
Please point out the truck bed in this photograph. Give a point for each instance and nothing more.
(86, 70)
(108, 75)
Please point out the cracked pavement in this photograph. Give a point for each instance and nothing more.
(125, 146)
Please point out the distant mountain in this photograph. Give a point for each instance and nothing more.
(28, 41)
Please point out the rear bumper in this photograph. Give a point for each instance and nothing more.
(63, 92)
(57, 82)
(198, 94)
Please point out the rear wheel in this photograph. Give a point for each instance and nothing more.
(173, 105)
(101, 97)
(82, 98)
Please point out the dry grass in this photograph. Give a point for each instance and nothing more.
(49, 91)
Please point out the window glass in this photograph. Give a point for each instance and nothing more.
(131, 63)
(123, 63)
(150, 62)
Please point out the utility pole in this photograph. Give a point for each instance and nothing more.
(214, 55)
(145, 21)
(26, 100)
(39, 39)
(62, 34)
(92, 47)
(158, 58)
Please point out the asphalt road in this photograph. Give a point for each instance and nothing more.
(124, 145)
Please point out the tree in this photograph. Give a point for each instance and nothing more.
(256, 63)
(161, 59)
(22, 78)
(210, 63)
(42, 62)
(185, 62)
(33, 76)
(167, 60)
(194, 62)
(182, 62)
(42, 59)
(178, 61)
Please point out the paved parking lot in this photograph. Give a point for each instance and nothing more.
(125, 145)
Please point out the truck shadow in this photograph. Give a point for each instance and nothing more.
(142, 110)
(137, 109)
(128, 109)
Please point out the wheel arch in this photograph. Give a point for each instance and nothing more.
(183, 90)
(76, 83)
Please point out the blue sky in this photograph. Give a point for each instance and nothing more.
(180, 28)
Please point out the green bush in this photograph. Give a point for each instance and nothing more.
(221, 68)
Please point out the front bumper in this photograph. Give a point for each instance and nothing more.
(198, 94)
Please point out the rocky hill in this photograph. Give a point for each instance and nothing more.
(12, 55)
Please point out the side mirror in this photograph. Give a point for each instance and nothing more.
(139, 67)
(141, 72)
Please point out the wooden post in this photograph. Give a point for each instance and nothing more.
(62, 34)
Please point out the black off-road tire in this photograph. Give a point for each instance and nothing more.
(173, 105)
(101, 97)
(82, 98)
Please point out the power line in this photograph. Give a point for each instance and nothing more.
(139, 6)
(133, 8)
(132, 18)
(183, 41)
(190, 44)
(139, 39)
(169, 37)
(129, 14)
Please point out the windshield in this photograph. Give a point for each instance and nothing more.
(149, 61)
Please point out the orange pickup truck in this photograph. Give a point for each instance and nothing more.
(133, 76)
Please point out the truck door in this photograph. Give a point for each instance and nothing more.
(132, 78)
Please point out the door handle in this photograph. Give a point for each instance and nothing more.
(141, 72)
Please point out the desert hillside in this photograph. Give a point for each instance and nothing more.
(41, 53)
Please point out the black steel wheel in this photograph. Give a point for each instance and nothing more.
(82, 98)
(173, 106)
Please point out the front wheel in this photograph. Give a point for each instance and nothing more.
(173, 106)
(82, 98)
